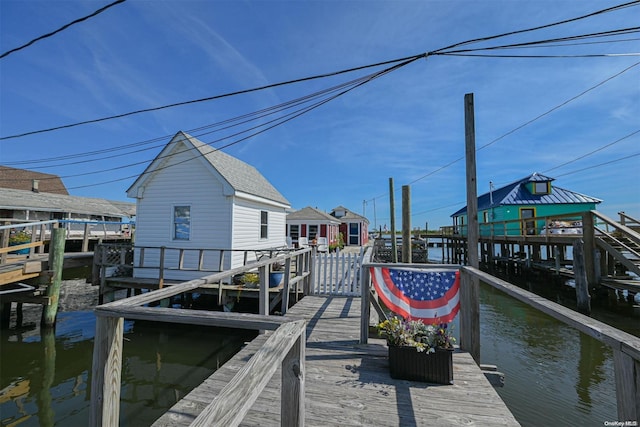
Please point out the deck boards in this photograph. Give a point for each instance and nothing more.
(348, 384)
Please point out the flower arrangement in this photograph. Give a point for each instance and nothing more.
(19, 237)
(414, 333)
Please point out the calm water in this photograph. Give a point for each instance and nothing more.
(45, 378)
(553, 374)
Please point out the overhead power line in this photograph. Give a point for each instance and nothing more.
(594, 151)
(421, 55)
(197, 132)
(562, 104)
(409, 59)
(64, 27)
(599, 165)
(540, 27)
(267, 126)
(601, 34)
(211, 98)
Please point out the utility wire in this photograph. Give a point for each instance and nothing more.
(273, 123)
(557, 176)
(593, 152)
(291, 117)
(410, 59)
(521, 126)
(487, 55)
(599, 165)
(64, 27)
(423, 55)
(210, 98)
(540, 27)
(217, 127)
(254, 114)
(610, 33)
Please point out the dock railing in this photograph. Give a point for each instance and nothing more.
(338, 273)
(626, 347)
(34, 235)
(284, 348)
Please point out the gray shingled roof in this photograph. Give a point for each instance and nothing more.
(313, 214)
(348, 215)
(50, 202)
(240, 175)
(516, 193)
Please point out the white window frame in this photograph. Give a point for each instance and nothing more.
(174, 231)
(264, 225)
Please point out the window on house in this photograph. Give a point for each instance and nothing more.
(485, 216)
(264, 224)
(541, 188)
(181, 222)
(294, 232)
(313, 232)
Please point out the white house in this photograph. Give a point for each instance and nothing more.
(194, 196)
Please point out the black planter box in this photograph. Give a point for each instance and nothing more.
(407, 363)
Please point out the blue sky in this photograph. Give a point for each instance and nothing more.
(407, 125)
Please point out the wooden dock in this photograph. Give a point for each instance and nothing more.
(348, 383)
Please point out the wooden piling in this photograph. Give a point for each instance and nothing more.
(392, 207)
(470, 286)
(580, 275)
(106, 372)
(406, 224)
(56, 261)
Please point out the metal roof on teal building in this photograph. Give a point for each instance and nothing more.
(517, 193)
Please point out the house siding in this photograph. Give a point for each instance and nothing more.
(246, 228)
(184, 184)
(512, 212)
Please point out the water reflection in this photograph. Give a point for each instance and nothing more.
(591, 370)
(45, 378)
(553, 373)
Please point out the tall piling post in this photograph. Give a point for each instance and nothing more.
(56, 261)
(392, 207)
(406, 224)
(470, 285)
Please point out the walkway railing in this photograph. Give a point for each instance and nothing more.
(626, 347)
(285, 348)
(29, 238)
(338, 273)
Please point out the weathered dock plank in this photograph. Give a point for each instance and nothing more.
(348, 384)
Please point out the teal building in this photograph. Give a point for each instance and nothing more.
(530, 206)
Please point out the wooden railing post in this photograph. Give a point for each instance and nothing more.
(221, 266)
(5, 242)
(627, 376)
(470, 314)
(364, 304)
(34, 238)
(161, 272)
(588, 236)
(285, 287)
(85, 237)
(42, 238)
(311, 267)
(106, 372)
(292, 388)
(263, 299)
